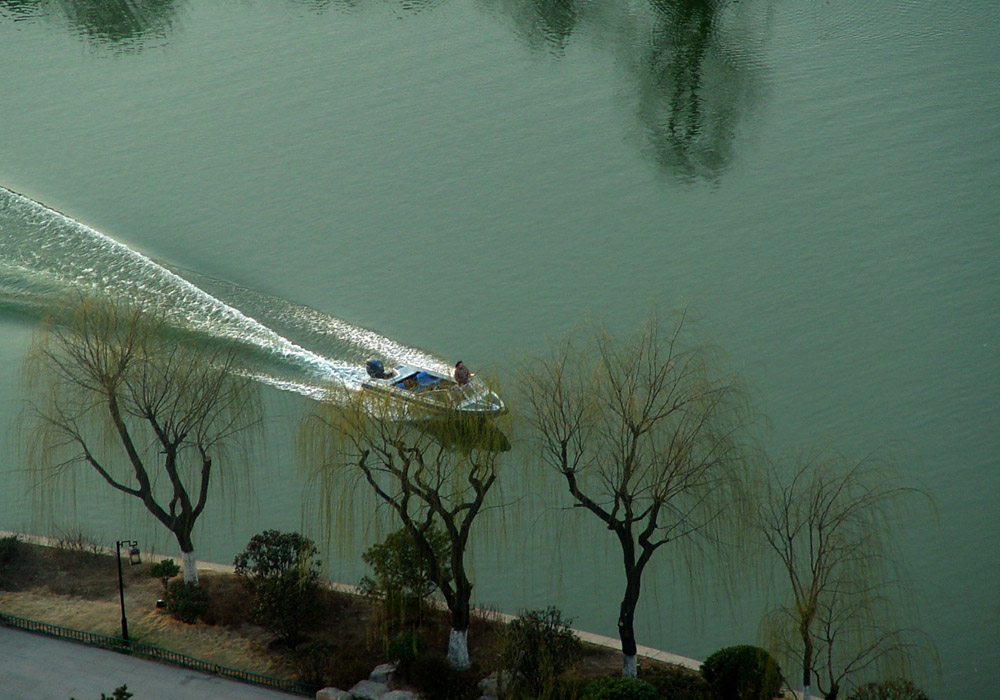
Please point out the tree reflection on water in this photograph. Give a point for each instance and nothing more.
(20, 10)
(690, 100)
(123, 26)
(687, 61)
(543, 24)
(688, 69)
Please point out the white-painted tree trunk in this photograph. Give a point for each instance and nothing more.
(805, 692)
(629, 668)
(190, 568)
(458, 649)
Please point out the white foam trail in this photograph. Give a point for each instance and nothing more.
(373, 342)
(44, 252)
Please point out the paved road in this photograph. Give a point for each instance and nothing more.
(36, 667)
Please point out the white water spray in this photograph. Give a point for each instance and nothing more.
(44, 254)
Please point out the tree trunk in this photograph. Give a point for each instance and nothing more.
(187, 556)
(630, 668)
(806, 665)
(626, 624)
(458, 642)
(190, 568)
(458, 648)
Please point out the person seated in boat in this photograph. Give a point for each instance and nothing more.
(376, 370)
(461, 373)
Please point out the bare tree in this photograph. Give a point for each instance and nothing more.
(434, 473)
(114, 388)
(830, 524)
(648, 433)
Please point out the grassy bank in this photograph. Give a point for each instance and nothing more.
(75, 584)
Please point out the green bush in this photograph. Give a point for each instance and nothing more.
(10, 549)
(893, 689)
(569, 688)
(405, 647)
(676, 683)
(282, 572)
(164, 571)
(10, 552)
(536, 647)
(187, 601)
(121, 693)
(743, 672)
(403, 650)
(619, 688)
(402, 578)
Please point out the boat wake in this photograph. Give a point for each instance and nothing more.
(44, 255)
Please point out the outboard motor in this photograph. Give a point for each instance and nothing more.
(375, 369)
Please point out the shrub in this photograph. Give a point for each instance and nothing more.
(405, 647)
(403, 650)
(742, 672)
(229, 601)
(10, 549)
(439, 680)
(567, 688)
(187, 601)
(536, 647)
(311, 662)
(120, 693)
(282, 572)
(402, 577)
(74, 543)
(10, 552)
(619, 688)
(326, 664)
(893, 689)
(676, 683)
(164, 571)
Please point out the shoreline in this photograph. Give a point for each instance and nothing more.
(589, 637)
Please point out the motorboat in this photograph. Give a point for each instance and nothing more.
(432, 389)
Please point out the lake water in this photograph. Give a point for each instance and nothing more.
(425, 179)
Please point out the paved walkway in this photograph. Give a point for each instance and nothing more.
(37, 667)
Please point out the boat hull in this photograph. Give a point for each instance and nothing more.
(426, 390)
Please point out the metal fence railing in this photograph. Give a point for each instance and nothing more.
(156, 653)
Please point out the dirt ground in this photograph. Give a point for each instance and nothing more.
(76, 586)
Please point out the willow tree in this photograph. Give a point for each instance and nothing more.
(435, 473)
(648, 432)
(115, 389)
(830, 522)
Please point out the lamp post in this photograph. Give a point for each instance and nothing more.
(133, 559)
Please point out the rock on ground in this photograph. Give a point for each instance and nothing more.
(332, 694)
(382, 673)
(369, 690)
(399, 695)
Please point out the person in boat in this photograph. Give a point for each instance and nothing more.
(462, 374)
(376, 369)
